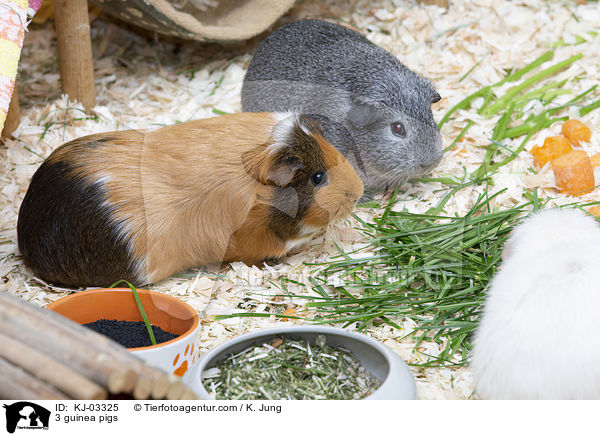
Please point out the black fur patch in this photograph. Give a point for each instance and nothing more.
(301, 148)
(66, 235)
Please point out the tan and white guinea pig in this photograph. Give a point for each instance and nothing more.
(141, 206)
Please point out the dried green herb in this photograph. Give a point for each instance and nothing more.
(286, 369)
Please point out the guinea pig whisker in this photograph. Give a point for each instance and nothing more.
(393, 180)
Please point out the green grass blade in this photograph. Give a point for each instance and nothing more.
(503, 101)
(140, 308)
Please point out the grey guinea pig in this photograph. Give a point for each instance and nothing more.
(141, 206)
(314, 66)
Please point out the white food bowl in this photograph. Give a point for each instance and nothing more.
(397, 381)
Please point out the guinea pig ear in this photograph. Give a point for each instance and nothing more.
(270, 168)
(282, 171)
(363, 112)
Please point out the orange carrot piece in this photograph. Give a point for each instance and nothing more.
(595, 210)
(554, 147)
(595, 160)
(574, 173)
(576, 132)
(289, 312)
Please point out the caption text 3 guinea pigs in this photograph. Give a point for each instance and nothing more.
(141, 206)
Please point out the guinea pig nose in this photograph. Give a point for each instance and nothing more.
(431, 162)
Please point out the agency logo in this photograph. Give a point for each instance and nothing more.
(26, 415)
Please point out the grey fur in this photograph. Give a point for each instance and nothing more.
(316, 67)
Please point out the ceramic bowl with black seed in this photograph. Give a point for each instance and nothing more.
(175, 356)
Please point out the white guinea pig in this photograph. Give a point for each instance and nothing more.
(538, 334)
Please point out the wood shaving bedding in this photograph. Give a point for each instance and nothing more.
(144, 84)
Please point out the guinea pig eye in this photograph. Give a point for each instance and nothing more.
(398, 129)
(319, 178)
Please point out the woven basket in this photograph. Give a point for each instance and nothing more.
(221, 21)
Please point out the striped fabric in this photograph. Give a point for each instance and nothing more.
(13, 22)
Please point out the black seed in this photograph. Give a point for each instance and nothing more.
(130, 334)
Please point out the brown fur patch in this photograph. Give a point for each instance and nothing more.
(199, 191)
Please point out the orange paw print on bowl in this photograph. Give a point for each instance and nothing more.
(183, 362)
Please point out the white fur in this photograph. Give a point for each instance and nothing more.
(538, 337)
(280, 133)
(123, 231)
(305, 234)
